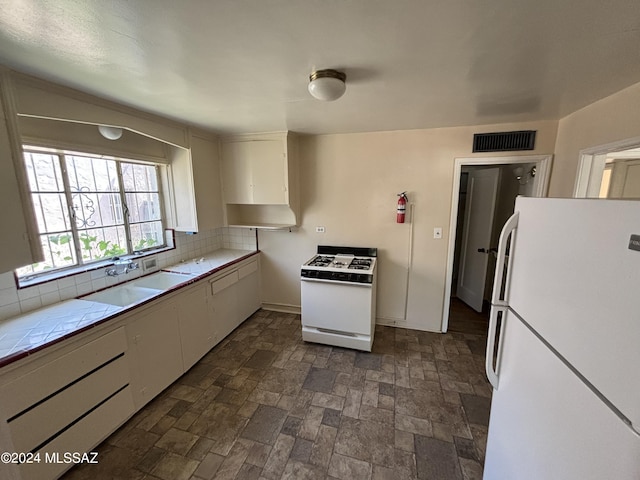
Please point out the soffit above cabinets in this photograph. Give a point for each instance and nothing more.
(234, 67)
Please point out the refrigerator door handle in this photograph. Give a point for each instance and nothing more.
(507, 230)
(492, 372)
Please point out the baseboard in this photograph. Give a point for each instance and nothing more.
(390, 322)
(401, 323)
(281, 307)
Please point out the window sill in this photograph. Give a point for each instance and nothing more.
(53, 276)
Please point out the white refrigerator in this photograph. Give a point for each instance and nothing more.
(565, 361)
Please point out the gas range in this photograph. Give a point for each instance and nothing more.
(341, 264)
(338, 297)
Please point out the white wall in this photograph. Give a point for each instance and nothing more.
(611, 119)
(348, 184)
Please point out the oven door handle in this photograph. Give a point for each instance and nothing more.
(339, 282)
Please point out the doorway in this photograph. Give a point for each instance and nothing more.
(610, 171)
(484, 191)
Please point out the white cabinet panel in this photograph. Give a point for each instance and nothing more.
(17, 247)
(67, 402)
(207, 184)
(234, 297)
(224, 304)
(196, 331)
(222, 283)
(49, 417)
(196, 197)
(156, 352)
(248, 290)
(81, 437)
(236, 172)
(39, 383)
(269, 174)
(184, 216)
(255, 172)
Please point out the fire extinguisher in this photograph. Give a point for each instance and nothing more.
(402, 207)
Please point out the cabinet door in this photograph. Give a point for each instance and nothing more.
(206, 181)
(154, 338)
(15, 247)
(196, 332)
(185, 216)
(236, 172)
(269, 172)
(224, 304)
(248, 291)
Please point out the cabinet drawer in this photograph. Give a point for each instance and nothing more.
(82, 436)
(247, 270)
(46, 419)
(45, 381)
(218, 285)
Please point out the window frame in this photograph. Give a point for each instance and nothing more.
(83, 265)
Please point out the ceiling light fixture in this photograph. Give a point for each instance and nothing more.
(110, 133)
(327, 85)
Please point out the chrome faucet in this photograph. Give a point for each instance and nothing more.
(120, 267)
(130, 266)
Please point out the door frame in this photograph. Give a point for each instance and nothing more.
(591, 164)
(543, 174)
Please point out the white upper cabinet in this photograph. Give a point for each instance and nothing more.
(196, 197)
(236, 172)
(255, 172)
(259, 179)
(18, 241)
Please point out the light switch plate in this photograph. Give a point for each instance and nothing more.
(437, 232)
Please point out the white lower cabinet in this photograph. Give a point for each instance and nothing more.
(248, 290)
(67, 402)
(167, 339)
(156, 359)
(196, 330)
(75, 397)
(223, 303)
(234, 297)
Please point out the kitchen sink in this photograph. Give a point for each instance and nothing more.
(123, 295)
(162, 280)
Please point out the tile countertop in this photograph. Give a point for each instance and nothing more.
(29, 333)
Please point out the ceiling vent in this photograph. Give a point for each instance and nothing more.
(504, 141)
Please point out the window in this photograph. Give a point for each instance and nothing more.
(91, 208)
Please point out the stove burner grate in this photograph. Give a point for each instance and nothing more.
(321, 261)
(361, 264)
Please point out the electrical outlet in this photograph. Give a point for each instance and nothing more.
(437, 233)
(149, 264)
(320, 230)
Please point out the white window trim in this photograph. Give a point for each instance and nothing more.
(47, 276)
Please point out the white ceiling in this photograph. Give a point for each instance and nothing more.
(243, 65)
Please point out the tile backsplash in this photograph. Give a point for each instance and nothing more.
(13, 302)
